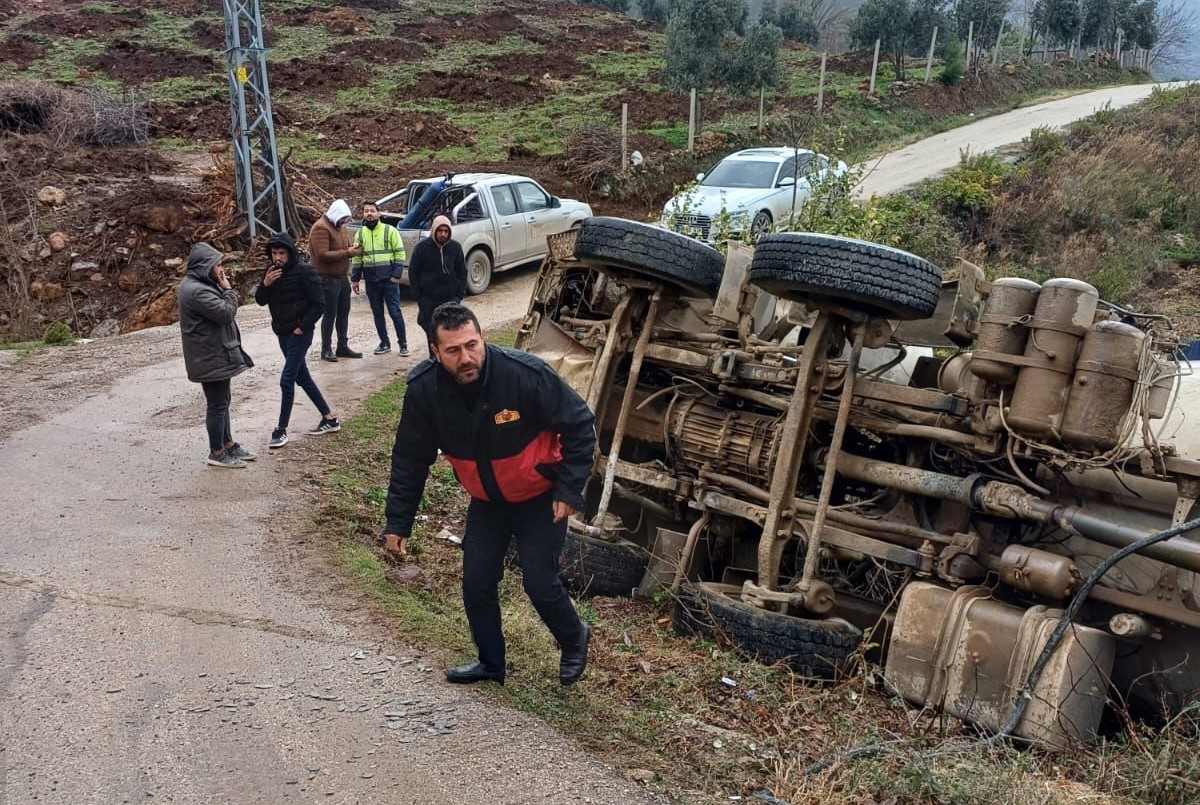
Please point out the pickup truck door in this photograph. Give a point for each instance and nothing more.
(512, 237)
(540, 218)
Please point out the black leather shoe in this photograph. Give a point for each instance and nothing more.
(473, 672)
(327, 355)
(346, 352)
(570, 667)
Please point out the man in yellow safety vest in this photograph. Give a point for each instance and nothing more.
(380, 262)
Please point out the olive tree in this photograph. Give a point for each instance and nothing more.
(695, 43)
(754, 61)
(1059, 19)
(901, 26)
(793, 21)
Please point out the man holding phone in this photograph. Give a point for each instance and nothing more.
(212, 348)
(520, 441)
(292, 291)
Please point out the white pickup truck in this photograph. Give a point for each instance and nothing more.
(501, 220)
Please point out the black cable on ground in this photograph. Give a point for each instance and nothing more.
(1025, 695)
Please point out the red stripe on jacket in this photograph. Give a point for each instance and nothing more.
(517, 476)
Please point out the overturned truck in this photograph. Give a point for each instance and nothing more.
(820, 439)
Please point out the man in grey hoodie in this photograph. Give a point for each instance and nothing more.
(212, 348)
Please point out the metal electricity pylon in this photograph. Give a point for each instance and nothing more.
(253, 125)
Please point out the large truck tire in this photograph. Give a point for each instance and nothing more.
(814, 648)
(653, 253)
(875, 279)
(599, 567)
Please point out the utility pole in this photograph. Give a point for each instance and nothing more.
(253, 127)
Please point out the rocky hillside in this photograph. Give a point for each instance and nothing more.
(366, 96)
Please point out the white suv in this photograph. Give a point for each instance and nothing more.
(757, 190)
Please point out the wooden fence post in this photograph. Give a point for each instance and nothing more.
(762, 97)
(996, 52)
(821, 86)
(874, 68)
(970, 43)
(692, 122)
(929, 58)
(624, 136)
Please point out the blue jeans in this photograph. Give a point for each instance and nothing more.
(379, 294)
(295, 373)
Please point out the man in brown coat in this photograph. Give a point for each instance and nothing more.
(330, 250)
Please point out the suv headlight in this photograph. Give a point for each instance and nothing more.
(739, 221)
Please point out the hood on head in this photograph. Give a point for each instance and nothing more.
(285, 240)
(440, 221)
(201, 260)
(337, 211)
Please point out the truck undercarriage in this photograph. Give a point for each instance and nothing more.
(819, 440)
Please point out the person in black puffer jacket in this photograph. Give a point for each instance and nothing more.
(293, 293)
(437, 273)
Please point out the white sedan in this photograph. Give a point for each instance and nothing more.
(754, 191)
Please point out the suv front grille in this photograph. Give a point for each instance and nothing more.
(696, 226)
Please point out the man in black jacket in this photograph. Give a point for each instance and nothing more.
(294, 295)
(437, 273)
(520, 441)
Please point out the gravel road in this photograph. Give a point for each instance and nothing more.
(923, 159)
(167, 635)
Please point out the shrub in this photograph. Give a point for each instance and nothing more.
(1044, 144)
(954, 63)
(58, 334)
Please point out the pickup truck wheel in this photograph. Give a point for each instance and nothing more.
(877, 279)
(598, 567)
(479, 271)
(658, 254)
(819, 648)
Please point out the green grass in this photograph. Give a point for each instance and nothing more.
(62, 62)
(462, 54)
(181, 89)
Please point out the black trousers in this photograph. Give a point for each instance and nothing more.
(337, 311)
(216, 419)
(490, 526)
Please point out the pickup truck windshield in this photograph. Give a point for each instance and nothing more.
(742, 173)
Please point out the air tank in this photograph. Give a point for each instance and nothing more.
(1102, 391)
(1003, 330)
(1063, 316)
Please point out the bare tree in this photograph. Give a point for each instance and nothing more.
(1178, 25)
(831, 18)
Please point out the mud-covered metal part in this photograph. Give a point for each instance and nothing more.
(969, 654)
(740, 443)
(1033, 570)
(806, 586)
(1006, 500)
(1004, 329)
(635, 367)
(1064, 313)
(1004, 442)
(814, 364)
(1106, 375)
